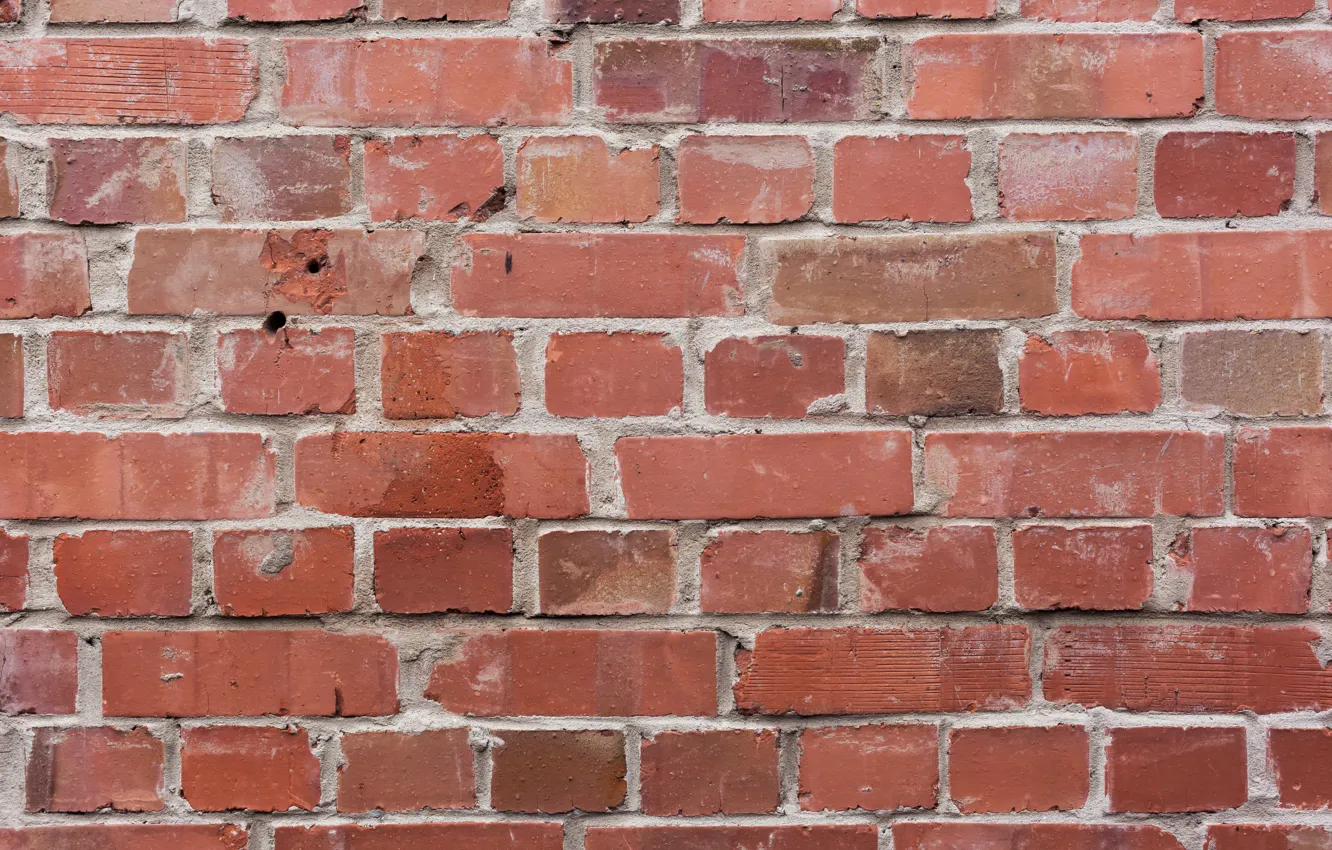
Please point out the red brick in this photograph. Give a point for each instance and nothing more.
(1187, 668)
(82, 770)
(11, 376)
(1277, 472)
(440, 375)
(916, 178)
(884, 671)
(126, 837)
(295, 10)
(1277, 75)
(578, 672)
(41, 671)
(1246, 569)
(289, 178)
(595, 573)
(558, 771)
(934, 373)
(423, 836)
(136, 475)
(1323, 172)
(576, 179)
(1070, 373)
(875, 768)
(127, 80)
(1252, 373)
(13, 571)
(434, 570)
(113, 11)
(1224, 174)
(1267, 837)
(747, 476)
(1093, 568)
(247, 673)
(408, 82)
(1240, 10)
(43, 275)
(1196, 276)
(612, 11)
(290, 371)
(386, 474)
(1299, 759)
(1018, 768)
(126, 374)
(449, 10)
(252, 272)
(434, 178)
(1076, 473)
(9, 168)
(1165, 769)
(720, 11)
(770, 571)
(283, 573)
(257, 768)
(945, 568)
(621, 275)
(1049, 75)
(110, 181)
(744, 179)
(912, 278)
(732, 771)
(402, 772)
(1094, 11)
(655, 81)
(1068, 176)
(777, 376)
(956, 9)
(611, 375)
(10, 10)
(919, 835)
(125, 573)
(822, 837)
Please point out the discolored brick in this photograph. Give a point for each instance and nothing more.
(1253, 373)
(283, 573)
(593, 573)
(744, 179)
(86, 769)
(292, 371)
(785, 377)
(550, 772)
(440, 375)
(704, 773)
(113, 181)
(289, 178)
(430, 570)
(945, 568)
(934, 373)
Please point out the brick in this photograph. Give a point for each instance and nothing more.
(127, 80)
(1246, 569)
(125, 573)
(447, 10)
(1092, 568)
(253, 272)
(422, 836)
(1224, 174)
(138, 475)
(1196, 276)
(247, 674)
(434, 178)
(9, 187)
(537, 771)
(283, 573)
(657, 81)
(1166, 769)
(748, 476)
(43, 275)
(884, 671)
(1299, 762)
(1277, 472)
(433, 570)
(587, 672)
(621, 275)
(945, 568)
(595, 573)
(934, 373)
(744, 179)
(404, 772)
(611, 375)
(947, 9)
(919, 835)
(720, 11)
(41, 671)
(785, 377)
(1323, 172)
(289, 371)
(1075, 473)
(1267, 837)
(747, 572)
(1018, 768)
(289, 178)
(440, 375)
(1049, 75)
(1069, 373)
(10, 10)
(1091, 11)
(874, 768)
(1190, 11)
(1068, 176)
(11, 376)
(822, 837)
(1186, 668)
(1273, 75)
(113, 181)
(126, 837)
(83, 770)
(731, 771)
(914, 178)
(384, 474)
(113, 11)
(13, 571)
(295, 10)
(409, 82)
(577, 179)
(256, 768)
(912, 278)
(1253, 373)
(612, 11)
(124, 374)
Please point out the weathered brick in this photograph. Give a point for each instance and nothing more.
(720, 11)
(126, 374)
(1168, 769)
(9, 187)
(1246, 569)
(1270, 75)
(954, 9)
(113, 11)
(125, 573)
(257, 768)
(290, 371)
(821, 837)
(126, 837)
(1093, 11)
(1267, 837)
(770, 571)
(1094, 568)
(612, 11)
(13, 571)
(875, 768)
(11, 376)
(744, 179)
(611, 375)
(934, 373)
(41, 671)
(404, 772)
(577, 179)
(43, 275)
(433, 570)
(440, 375)
(86, 769)
(1240, 10)
(1299, 763)
(1069, 373)
(1224, 174)
(916, 177)
(295, 10)
(1253, 373)
(283, 573)
(288, 178)
(434, 178)
(113, 181)
(1068, 176)
(1323, 172)
(538, 771)
(1018, 768)
(1277, 472)
(447, 10)
(920, 835)
(422, 836)
(945, 568)
(730, 771)
(595, 573)
(785, 377)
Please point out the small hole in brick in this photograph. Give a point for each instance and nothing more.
(275, 321)
(314, 267)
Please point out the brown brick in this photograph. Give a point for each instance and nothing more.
(553, 772)
(11, 376)
(934, 373)
(1253, 373)
(704, 773)
(593, 573)
(578, 179)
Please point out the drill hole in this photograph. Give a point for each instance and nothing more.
(314, 267)
(275, 321)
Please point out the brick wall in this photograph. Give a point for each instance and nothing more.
(665, 425)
